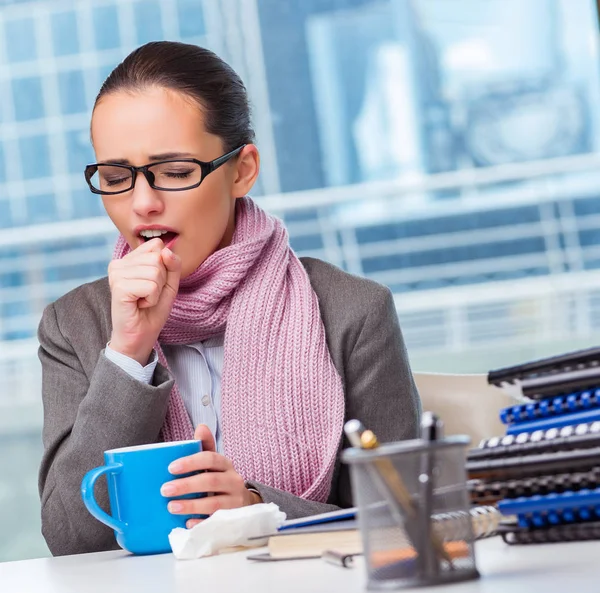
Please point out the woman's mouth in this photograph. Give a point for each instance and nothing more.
(167, 237)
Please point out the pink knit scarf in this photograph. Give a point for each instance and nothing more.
(282, 400)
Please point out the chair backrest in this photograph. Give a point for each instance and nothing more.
(467, 404)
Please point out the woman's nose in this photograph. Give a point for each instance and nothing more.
(146, 200)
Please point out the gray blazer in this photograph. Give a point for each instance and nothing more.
(91, 405)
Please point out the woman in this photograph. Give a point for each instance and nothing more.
(208, 325)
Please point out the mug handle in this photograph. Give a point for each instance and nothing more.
(87, 493)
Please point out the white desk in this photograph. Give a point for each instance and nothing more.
(550, 568)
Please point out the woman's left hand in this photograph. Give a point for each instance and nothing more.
(219, 477)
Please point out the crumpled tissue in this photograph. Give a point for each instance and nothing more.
(226, 529)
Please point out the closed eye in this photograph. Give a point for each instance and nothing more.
(177, 174)
(113, 182)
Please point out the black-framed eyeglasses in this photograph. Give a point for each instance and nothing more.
(171, 175)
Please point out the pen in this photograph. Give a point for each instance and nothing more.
(393, 493)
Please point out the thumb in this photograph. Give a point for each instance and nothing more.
(202, 433)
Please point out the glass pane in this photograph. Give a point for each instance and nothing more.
(72, 92)
(20, 40)
(2, 164)
(35, 157)
(191, 18)
(148, 21)
(28, 99)
(86, 205)
(106, 27)
(65, 33)
(5, 216)
(41, 209)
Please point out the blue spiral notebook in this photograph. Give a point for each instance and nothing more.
(341, 515)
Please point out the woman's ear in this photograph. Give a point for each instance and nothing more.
(247, 166)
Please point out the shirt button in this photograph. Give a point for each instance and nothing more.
(205, 400)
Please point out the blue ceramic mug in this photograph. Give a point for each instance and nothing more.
(134, 475)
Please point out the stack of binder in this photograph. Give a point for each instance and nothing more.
(545, 470)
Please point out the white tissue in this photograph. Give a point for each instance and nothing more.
(225, 529)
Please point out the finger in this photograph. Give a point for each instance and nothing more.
(192, 522)
(204, 434)
(145, 272)
(122, 268)
(152, 258)
(206, 460)
(172, 263)
(225, 482)
(155, 244)
(206, 505)
(133, 290)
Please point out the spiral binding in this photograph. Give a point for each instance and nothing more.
(556, 534)
(553, 509)
(452, 526)
(490, 492)
(545, 408)
(553, 365)
(514, 468)
(581, 436)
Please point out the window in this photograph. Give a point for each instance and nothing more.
(85, 204)
(106, 26)
(2, 164)
(72, 92)
(191, 18)
(41, 209)
(65, 33)
(148, 21)
(28, 99)
(5, 214)
(35, 157)
(20, 40)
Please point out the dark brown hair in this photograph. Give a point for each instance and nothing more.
(196, 72)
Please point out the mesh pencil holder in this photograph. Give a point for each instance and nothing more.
(413, 512)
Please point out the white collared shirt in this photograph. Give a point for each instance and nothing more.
(197, 371)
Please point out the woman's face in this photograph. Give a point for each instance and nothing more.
(159, 124)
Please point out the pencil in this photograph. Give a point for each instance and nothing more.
(394, 482)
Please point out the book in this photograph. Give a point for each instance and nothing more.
(312, 540)
(569, 532)
(568, 438)
(330, 517)
(514, 467)
(556, 406)
(482, 492)
(561, 363)
(312, 536)
(553, 509)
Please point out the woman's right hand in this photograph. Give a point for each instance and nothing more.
(143, 287)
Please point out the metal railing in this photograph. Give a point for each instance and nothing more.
(510, 259)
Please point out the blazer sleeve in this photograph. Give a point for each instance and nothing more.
(84, 416)
(380, 392)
